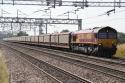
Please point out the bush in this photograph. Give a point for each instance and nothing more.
(121, 37)
(120, 50)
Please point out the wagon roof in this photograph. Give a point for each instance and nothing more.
(60, 33)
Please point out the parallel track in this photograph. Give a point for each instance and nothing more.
(106, 70)
(61, 76)
(115, 61)
(49, 77)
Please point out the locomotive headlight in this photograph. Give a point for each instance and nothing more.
(100, 44)
(114, 43)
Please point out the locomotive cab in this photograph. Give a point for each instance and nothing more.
(107, 37)
(101, 41)
(107, 40)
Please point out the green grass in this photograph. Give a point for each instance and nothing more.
(3, 71)
(120, 51)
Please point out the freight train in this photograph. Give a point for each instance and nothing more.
(98, 41)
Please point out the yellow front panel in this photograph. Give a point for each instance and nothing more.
(107, 42)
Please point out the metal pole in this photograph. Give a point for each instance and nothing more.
(17, 14)
(54, 3)
(1, 12)
(119, 3)
(77, 17)
(114, 5)
(13, 2)
(12, 28)
(2, 2)
(20, 26)
(40, 29)
(46, 28)
(3, 27)
(83, 4)
(68, 14)
(34, 31)
(50, 14)
(80, 24)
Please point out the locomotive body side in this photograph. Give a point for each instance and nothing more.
(85, 38)
(96, 41)
(107, 40)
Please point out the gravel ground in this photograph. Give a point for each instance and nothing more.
(81, 71)
(20, 71)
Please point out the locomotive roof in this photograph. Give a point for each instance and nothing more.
(93, 30)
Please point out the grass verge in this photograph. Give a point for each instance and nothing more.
(3, 71)
(120, 51)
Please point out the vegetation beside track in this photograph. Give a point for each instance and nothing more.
(120, 51)
(121, 45)
(3, 70)
(121, 37)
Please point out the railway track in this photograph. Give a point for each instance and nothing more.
(22, 77)
(80, 62)
(56, 74)
(119, 63)
(114, 61)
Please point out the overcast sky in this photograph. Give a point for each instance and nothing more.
(91, 16)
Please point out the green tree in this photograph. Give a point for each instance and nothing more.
(65, 30)
(21, 33)
(121, 37)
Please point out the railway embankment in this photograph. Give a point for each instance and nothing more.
(20, 71)
(4, 78)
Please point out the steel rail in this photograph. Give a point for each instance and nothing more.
(84, 57)
(42, 64)
(99, 68)
(49, 76)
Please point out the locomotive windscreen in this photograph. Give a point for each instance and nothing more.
(102, 35)
(107, 33)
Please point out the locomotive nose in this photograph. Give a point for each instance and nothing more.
(106, 43)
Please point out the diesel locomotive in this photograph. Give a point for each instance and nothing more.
(98, 41)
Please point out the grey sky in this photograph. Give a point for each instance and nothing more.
(89, 15)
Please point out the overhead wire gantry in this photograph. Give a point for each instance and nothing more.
(53, 3)
(39, 21)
